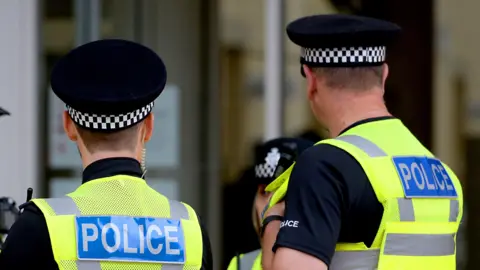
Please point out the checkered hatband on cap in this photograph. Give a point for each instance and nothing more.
(109, 122)
(347, 56)
(267, 169)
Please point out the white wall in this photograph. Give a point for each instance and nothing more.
(19, 94)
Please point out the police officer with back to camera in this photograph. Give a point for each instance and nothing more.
(272, 158)
(372, 196)
(114, 220)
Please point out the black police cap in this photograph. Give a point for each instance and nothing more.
(109, 85)
(342, 40)
(275, 156)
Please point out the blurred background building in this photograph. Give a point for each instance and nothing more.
(208, 119)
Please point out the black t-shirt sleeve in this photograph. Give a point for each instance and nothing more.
(28, 243)
(314, 205)
(207, 258)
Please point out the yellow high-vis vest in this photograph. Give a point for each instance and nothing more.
(119, 222)
(421, 196)
(248, 261)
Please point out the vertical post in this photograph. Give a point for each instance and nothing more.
(88, 16)
(274, 68)
(19, 95)
(211, 86)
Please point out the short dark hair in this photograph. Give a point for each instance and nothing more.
(109, 141)
(355, 78)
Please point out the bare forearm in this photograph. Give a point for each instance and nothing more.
(268, 240)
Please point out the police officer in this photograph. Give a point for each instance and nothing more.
(114, 220)
(372, 196)
(271, 159)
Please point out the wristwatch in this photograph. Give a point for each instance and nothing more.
(268, 220)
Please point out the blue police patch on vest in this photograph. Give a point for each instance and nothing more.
(424, 177)
(131, 239)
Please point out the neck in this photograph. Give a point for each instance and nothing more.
(90, 158)
(350, 109)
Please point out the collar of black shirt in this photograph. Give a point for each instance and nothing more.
(110, 167)
(364, 121)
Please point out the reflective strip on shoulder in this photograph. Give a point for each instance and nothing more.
(370, 148)
(67, 206)
(178, 210)
(63, 206)
(248, 259)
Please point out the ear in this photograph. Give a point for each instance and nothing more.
(149, 125)
(311, 82)
(69, 127)
(384, 75)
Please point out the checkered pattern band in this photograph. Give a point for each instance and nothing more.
(264, 170)
(109, 122)
(344, 56)
(267, 169)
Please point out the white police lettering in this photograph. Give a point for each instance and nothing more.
(116, 234)
(406, 174)
(149, 237)
(430, 179)
(133, 239)
(289, 223)
(436, 170)
(126, 248)
(170, 239)
(141, 232)
(88, 238)
(416, 176)
(446, 178)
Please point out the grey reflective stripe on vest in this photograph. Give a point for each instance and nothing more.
(396, 244)
(63, 206)
(67, 206)
(371, 149)
(88, 265)
(349, 260)
(419, 244)
(248, 259)
(405, 208)
(454, 210)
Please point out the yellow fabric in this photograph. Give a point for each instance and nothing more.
(431, 215)
(257, 265)
(119, 195)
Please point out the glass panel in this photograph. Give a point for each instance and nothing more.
(58, 38)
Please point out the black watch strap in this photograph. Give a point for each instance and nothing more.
(268, 220)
